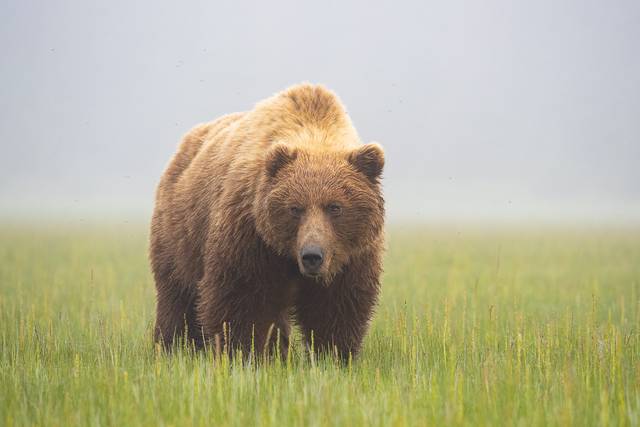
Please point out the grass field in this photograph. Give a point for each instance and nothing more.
(502, 327)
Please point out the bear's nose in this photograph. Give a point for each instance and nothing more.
(311, 258)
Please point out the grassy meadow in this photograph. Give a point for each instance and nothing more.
(535, 326)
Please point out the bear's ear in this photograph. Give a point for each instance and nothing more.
(277, 157)
(368, 159)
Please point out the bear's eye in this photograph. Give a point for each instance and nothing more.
(334, 209)
(296, 211)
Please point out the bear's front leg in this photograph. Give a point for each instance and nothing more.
(237, 314)
(336, 316)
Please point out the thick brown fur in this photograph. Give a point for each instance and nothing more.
(240, 200)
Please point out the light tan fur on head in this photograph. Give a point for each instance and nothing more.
(306, 115)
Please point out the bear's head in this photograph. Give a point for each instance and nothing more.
(321, 207)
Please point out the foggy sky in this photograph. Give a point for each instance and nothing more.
(526, 110)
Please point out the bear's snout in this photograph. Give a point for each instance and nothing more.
(312, 257)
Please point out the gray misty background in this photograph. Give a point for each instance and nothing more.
(493, 110)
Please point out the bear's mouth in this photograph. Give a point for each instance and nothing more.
(318, 278)
(311, 275)
(322, 276)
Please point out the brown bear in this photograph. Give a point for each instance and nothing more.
(268, 216)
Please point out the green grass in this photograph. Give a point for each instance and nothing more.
(502, 327)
